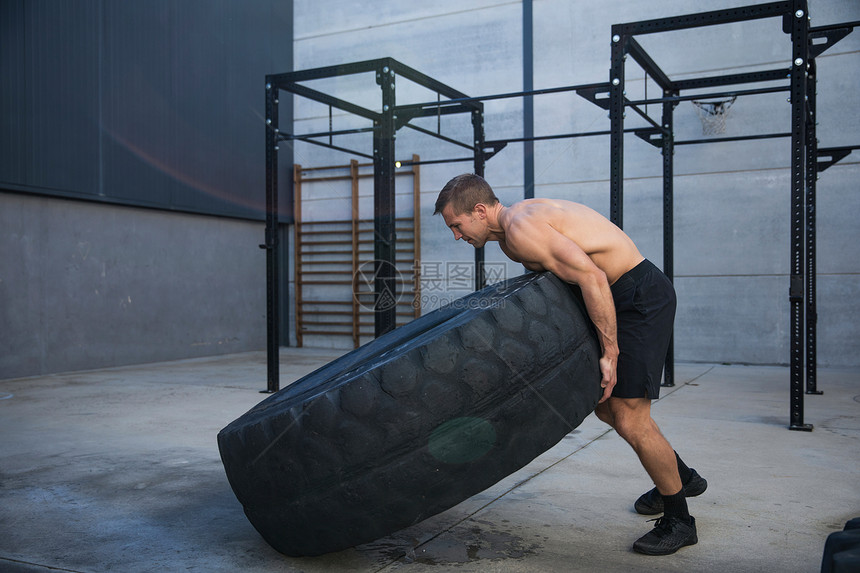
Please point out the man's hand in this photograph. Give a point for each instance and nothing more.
(608, 380)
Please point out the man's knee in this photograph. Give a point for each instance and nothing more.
(603, 414)
(632, 430)
(631, 418)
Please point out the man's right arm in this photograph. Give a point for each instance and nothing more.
(539, 245)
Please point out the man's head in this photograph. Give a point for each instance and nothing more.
(465, 202)
(463, 192)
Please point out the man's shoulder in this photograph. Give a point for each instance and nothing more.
(545, 206)
(554, 212)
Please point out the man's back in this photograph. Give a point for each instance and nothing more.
(609, 247)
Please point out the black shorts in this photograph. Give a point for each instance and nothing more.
(645, 312)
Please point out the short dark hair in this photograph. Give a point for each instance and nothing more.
(463, 192)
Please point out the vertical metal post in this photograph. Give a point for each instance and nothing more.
(811, 177)
(354, 218)
(299, 244)
(480, 161)
(616, 119)
(416, 235)
(528, 103)
(800, 61)
(271, 244)
(668, 219)
(385, 284)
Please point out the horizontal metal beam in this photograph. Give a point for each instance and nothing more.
(644, 116)
(439, 136)
(286, 136)
(732, 93)
(701, 19)
(327, 72)
(434, 161)
(831, 27)
(558, 136)
(733, 79)
(450, 102)
(733, 138)
(321, 97)
(426, 81)
(638, 53)
(330, 146)
(407, 113)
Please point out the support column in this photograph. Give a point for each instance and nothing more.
(385, 283)
(480, 161)
(528, 103)
(616, 119)
(271, 245)
(800, 61)
(811, 178)
(668, 218)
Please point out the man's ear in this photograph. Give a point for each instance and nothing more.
(480, 211)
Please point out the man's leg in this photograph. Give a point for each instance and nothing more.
(631, 418)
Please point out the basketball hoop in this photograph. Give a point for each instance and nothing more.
(713, 114)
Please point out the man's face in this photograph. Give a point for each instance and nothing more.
(471, 227)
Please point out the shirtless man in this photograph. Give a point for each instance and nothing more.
(630, 302)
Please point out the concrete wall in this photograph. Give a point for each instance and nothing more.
(86, 285)
(732, 250)
(146, 104)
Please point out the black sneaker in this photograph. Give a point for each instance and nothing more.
(651, 502)
(669, 535)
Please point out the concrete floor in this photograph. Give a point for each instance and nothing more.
(118, 470)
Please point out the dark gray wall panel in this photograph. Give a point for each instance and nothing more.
(50, 63)
(155, 103)
(12, 97)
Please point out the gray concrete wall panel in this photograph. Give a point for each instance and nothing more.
(86, 285)
(732, 319)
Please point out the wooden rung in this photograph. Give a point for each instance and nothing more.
(327, 332)
(332, 312)
(308, 253)
(311, 243)
(325, 222)
(346, 231)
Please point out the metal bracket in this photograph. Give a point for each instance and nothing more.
(494, 148)
(832, 35)
(271, 240)
(404, 116)
(591, 94)
(650, 135)
(834, 154)
(795, 289)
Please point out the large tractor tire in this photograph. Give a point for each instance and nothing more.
(418, 420)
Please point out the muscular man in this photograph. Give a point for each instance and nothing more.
(630, 302)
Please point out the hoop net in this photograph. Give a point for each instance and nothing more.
(713, 114)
